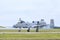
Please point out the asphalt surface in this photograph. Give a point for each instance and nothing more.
(27, 32)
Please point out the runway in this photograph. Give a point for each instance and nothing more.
(29, 32)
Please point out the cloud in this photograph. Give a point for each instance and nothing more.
(29, 10)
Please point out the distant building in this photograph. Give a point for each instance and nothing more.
(52, 23)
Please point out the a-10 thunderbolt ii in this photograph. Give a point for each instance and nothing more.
(23, 24)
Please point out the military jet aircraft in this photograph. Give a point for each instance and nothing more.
(34, 24)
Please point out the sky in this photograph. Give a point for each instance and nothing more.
(29, 10)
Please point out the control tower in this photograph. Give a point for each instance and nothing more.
(52, 23)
